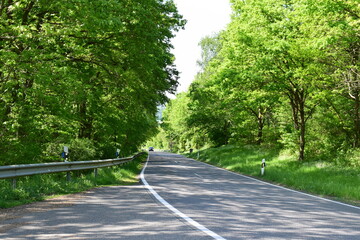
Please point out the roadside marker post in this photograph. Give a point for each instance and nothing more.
(263, 164)
(66, 158)
(65, 153)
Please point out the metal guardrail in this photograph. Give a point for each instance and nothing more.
(13, 171)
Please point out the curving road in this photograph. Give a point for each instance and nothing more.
(222, 204)
(238, 207)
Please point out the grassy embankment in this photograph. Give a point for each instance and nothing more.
(322, 178)
(40, 187)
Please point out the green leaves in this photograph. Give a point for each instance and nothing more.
(282, 72)
(83, 69)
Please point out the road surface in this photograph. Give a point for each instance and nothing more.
(238, 207)
(223, 204)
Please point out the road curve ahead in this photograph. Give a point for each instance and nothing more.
(237, 207)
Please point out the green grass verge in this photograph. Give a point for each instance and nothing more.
(40, 187)
(317, 177)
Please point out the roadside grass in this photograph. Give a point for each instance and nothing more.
(40, 187)
(316, 177)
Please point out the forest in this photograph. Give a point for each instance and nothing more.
(284, 74)
(84, 74)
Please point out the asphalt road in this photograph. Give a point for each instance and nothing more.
(124, 212)
(229, 205)
(238, 207)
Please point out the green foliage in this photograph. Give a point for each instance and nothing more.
(174, 123)
(350, 158)
(75, 70)
(283, 73)
(81, 150)
(160, 141)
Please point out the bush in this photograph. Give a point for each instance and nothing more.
(350, 158)
(82, 150)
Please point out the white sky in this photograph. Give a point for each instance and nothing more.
(204, 17)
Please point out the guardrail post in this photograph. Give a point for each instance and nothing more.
(95, 172)
(14, 183)
(68, 176)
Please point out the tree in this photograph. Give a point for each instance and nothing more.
(77, 69)
(208, 112)
(337, 36)
(283, 71)
(270, 31)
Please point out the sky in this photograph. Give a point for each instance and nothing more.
(204, 18)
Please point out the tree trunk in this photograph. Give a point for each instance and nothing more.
(297, 101)
(295, 110)
(85, 122)
(356, 121)
(259, 115)
(302, 129)
(260, 120)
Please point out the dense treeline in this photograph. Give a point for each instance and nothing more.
(283, 72)
(82, 73)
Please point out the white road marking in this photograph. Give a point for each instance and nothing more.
(174, 210)
(198, 175)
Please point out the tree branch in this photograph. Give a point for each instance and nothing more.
(27, 10)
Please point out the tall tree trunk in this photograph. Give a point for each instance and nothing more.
(294, 109)
(259, 116)
(260, 121)
(85, 122)
(352, 80)
(302, 128)
(356, 121)
(297, 101)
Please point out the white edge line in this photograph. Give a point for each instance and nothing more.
(288, 189)
(174, 210)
